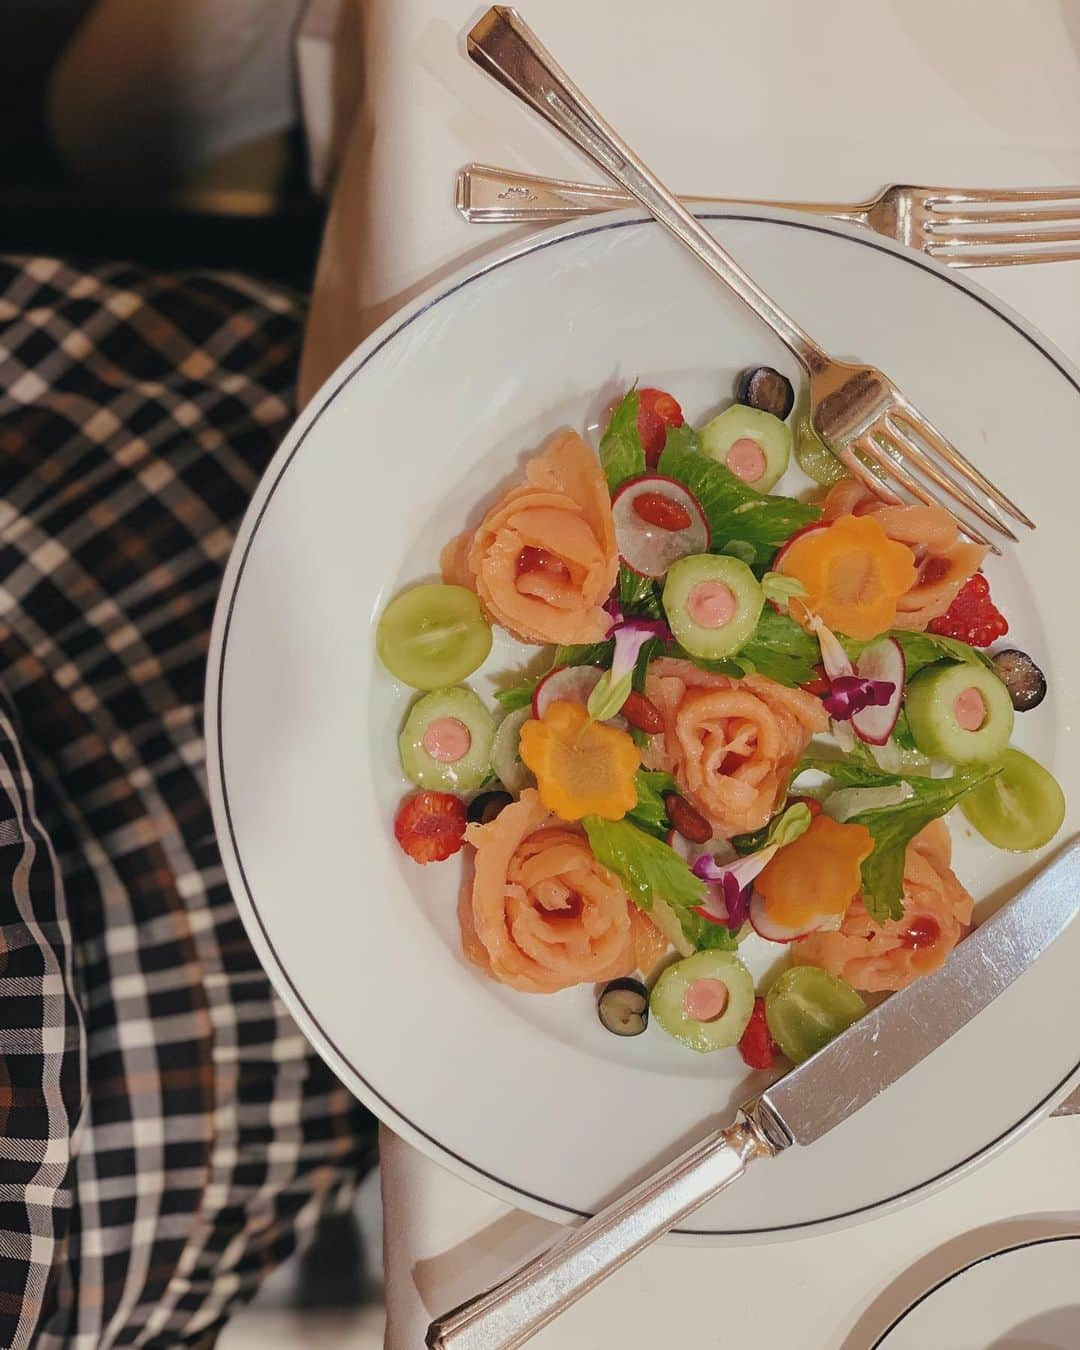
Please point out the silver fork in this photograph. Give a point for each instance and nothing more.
(962, 227)
(859, 413)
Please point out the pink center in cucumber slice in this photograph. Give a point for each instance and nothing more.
(447, 740)
(649, 549)
(746, 460)
(705, 1000)
(711, 604)
(969, 709)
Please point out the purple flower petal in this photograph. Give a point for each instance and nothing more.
(730, 886)
(630, 637)
(849, 694)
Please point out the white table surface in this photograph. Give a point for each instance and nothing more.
(777, 98)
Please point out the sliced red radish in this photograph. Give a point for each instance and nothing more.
(806, 529)
(567, 684)
(646, 546)
(883, 661)
(772, 931)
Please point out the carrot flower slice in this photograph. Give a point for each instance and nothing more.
(581, 767)
(817, 874)
(854, 575)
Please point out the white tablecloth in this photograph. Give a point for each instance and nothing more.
(773, 98)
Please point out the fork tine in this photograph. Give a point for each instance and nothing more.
(907, 448)
(977, 217)
(902, 447)
(955, 460)
(870, 481)
(867, 444)
(1006, 238)
(998, 259)
(992, 195)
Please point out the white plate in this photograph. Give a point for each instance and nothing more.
(528, 1095)
(1023, 1297)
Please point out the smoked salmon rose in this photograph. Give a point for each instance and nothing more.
(944, 559)
(544, 560)
(731, 744)
(880, 958)
(542, 914)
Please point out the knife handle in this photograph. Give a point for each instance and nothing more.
(512, 1312)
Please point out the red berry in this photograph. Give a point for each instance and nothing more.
(430, 826)
(757, 1046)
(972, 617)
(656, 412)
(819, 686)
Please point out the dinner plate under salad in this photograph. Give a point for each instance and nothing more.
(1021, 1297)
(529, 1096)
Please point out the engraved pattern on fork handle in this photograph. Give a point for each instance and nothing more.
(503, 45)
(515, 1310)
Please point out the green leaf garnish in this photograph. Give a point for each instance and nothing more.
(587, 654)
(778, 648)
(650, 813)
(780, 589)
(646, 865)
(741, 549)
(518, 695)
(894, 827)
(606, 698)
(924, 649)
(622, 455)
(734, 510)
(639, 596)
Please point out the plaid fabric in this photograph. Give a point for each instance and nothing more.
(166, 1133)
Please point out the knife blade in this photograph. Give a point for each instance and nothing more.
(899, 1033)
(809, 1101)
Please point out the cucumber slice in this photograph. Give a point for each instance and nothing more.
(944, 704)
(669, 996)
(807, 1008)
(754, 445)
(433, 636)
(712, 603)
(510, 769)
(1022, 808)
(467, 727)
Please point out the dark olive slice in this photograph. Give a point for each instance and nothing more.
(1021, 677)
(624, 1007)
(765, 388)
(487, 806)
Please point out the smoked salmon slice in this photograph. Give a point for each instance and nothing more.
(544, 559)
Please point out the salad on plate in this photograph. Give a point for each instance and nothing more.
(752, 716)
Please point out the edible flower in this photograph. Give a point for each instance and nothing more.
(848, 692)
(611, 690)
(582, 768)
(731, 884)
(817, 875)
(853, 573)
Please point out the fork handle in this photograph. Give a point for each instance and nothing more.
(491, 196)
(504, 45)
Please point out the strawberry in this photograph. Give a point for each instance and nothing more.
(656, 412)
(757, 1046)
(430, 826)
(972, 617)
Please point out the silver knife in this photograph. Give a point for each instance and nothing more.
(808, 1102)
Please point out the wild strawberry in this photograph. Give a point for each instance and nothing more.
(430, 826)
(757, 1046)
(656, 412)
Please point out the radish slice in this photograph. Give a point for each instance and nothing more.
(772, 931)
(505, 759)
(569, 684)
(649, 549)
(806, 529)
(883, 661)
